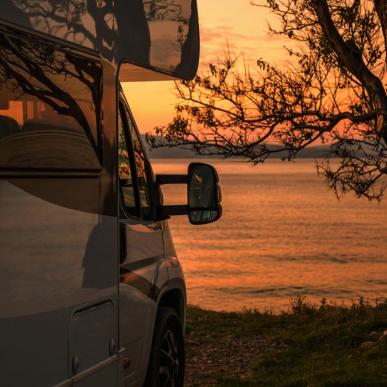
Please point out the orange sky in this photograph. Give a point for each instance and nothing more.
(237, 22)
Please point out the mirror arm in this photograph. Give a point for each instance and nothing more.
(171, 179)
(167, 211)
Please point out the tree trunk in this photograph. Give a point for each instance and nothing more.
(348, 55)
(381, 10)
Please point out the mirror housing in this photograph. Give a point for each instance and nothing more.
(203, 194)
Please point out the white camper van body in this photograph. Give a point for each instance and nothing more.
(91, 290)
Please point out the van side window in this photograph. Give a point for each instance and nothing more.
(135, 189)
(142, 173)
(125, 171)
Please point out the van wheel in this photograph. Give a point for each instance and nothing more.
(167, 358)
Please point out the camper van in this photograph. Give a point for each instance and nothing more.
(91, 290)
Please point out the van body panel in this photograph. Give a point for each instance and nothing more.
(47, 272)
(140, 279)
(105, 376)
(102, 374)
(58, 220)
(93, 336)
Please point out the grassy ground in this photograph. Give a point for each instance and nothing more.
(307, 346)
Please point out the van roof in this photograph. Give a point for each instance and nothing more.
(148, 39)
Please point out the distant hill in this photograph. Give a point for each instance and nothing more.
(184, 152)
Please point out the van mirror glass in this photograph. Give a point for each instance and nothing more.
(204, 195)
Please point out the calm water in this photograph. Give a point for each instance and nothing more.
(283, 234)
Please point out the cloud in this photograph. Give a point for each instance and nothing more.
(215, 42)
(209, 35)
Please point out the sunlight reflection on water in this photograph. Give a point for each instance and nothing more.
(283, 233)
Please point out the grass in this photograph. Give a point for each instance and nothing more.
(320, 345)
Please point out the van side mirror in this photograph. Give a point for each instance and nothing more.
(203, 194)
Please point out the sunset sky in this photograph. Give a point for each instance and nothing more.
(236, 22)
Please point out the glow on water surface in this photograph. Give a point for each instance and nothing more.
(283, 234)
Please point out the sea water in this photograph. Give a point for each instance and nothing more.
(283, 234)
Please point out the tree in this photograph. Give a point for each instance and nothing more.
(332, 92)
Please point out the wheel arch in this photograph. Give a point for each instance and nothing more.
(174, 298)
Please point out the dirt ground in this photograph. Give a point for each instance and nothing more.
(228, 355)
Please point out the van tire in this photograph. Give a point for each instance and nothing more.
(167, 357)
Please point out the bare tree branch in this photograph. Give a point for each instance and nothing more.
(333, 94)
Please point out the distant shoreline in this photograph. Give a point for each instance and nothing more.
(183, 152)
(233, 159)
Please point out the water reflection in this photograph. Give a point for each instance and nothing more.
(172, 25)
(50, 110)
(283, 233)
(90, 23)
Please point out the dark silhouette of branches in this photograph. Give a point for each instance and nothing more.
(65, 19)
(188, 49)
(118, 30)
(332, 92)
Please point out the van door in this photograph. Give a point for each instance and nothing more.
(141, 241)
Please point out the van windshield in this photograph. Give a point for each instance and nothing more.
(50, 106)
